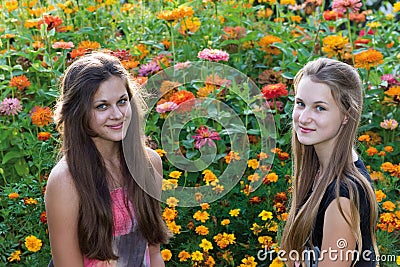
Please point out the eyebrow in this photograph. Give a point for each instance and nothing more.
(315, 102)
(105, 101)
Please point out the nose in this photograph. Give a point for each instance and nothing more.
(116, 113)
(305, 116)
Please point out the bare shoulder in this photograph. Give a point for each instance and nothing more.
(60, 179)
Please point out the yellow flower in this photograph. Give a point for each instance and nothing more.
(254, 177)
(189, 26)
(175, 174)
(197, 256)
(271, 177)
(388, 205)
(265, 215)
(183, 255)
(334, 45)
(205, 206)
(161, 152)
(393, 91)
(266, 42)
(396, 8)
(373, 24)
(380, 195)
(172, 202)
(206, 245)
(15, 256)
(234, 212)
(209, 177)
(169, 214)
(265, 240)
(232, 156)
(256, 228)
(11, 5)
(249, 261)
(225, 222)
(166, 254)
(277, 263)
(33, 243)
(201, 216)
(201, 230)
(295, 19)
(252, 163)
(218, 188)
(13, 195)
(176, 229)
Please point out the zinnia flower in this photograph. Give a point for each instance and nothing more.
(149, 68)
(189, 26)
(63, 45)
(368, 59)
(266, 42)
(334, 45)
(176, 14)
(390, 79)
(44, 136)
(182, 65)
(10, 106)
(21, 82)
(205, 136)
(41, 116)
(390, 124)
(213, 55)
(166, 107)
(181, 97)
(332, 15)
(32, 243)
(274, 90)
(345, 5)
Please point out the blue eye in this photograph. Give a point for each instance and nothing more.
(102, 106)
(123, 101)
(299, 103)
(319, 108)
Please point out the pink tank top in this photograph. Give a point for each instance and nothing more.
(129, 244)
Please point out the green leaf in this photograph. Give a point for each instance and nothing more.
(11, 155)
(21, 167)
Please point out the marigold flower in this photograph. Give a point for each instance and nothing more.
(32, 243)
(41, 116)
(205, 245)
(160, 152)
(201, 230)
(15, 256)
(225, 222)
(13, 195)
(390, 124)
(368, 59)
(21, 82)
(364, 137)
(173, 227)
(209, 177)
(388, 205)
(249, 261)
(266, 241)
(44, 136)
(396, 7)
(345, 5)
(175, 174)
(271, 91)
(334, 45)
(224, 239)
(234, 212)
(183, 256)
(270, 178)
(181, 97)
(265, 215)
(372, 151)
(43, 217)
(172, 202)
(11, 5)
(197, 256)
(277, 262)
(166, 254)
(10, 106)
(169, 214)
(388, 149)
(213, 55)
(201, 216)
(30, 201)
(266, 42)
(176, 14)
(252, 163)
(380, 195)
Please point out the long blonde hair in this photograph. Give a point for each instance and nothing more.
(346, 89)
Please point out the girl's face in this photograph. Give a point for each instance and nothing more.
(316, 116)
(111, 111)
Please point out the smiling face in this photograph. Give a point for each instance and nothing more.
(316, 116)
(111, 111)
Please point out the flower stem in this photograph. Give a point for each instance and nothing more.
(350, 37)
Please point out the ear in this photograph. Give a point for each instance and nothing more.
(345, 120)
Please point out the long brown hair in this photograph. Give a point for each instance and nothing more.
(346, 89)
(79, 84)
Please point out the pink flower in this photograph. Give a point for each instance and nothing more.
(10, 106)
(205, 136)
(390, 124)
(182, 65)
(344, 5)
(213, 55)
(362, 32)
(63, 45)
(390, 79)
(165, 107)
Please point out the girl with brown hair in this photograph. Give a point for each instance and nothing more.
(333, 211)
(101, 197)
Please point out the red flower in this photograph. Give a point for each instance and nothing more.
(51, 21)
(274, 90)
(205, 136)
(181, 97)
(21, 82)
(43, 217)
(332, 15)
(44, 136)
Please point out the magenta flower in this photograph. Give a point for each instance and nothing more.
(63, 45)
(390, 79)
(10, 106)
(166, 107)
(344, 5)
(213, 55)
(149, 68)
(205, 136)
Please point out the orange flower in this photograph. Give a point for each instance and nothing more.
(166, 254)
(176, 14)
(388, 149)
(380, 195)
(364, 137)
(201, 216)
(232, 156)
(274, 90)
(183, 255)
(270, 177)
(41, 116)
(388, 205)
(181, 97)
(13, 195)
(202, 230)
(189, 26)
(44, 136)
(266, 42)
(368, 59)
(334, 45)
(372, 151)
(78, 52)
(21, 82)
(89, 45)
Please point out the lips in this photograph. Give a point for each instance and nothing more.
(116, 126)
(306, 130)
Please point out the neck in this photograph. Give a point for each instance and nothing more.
(109, 150)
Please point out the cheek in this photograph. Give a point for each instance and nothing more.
(295, 115)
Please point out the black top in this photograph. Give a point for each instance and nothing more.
(367, 257)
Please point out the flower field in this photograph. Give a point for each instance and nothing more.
(220, 75)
